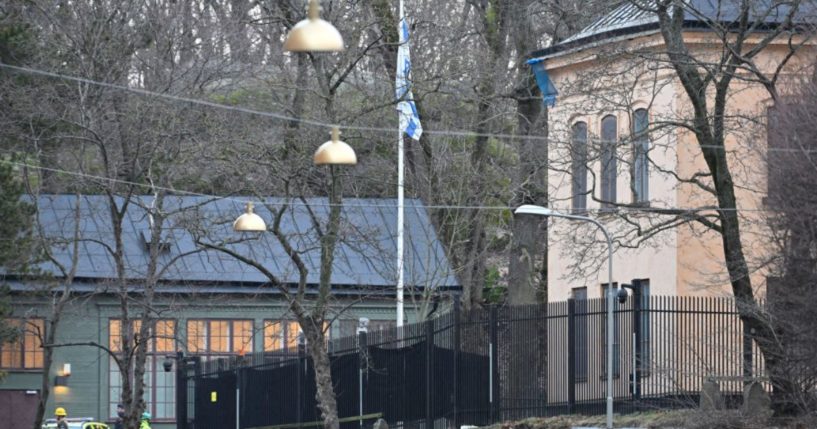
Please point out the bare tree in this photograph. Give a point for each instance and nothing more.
(310, 310)
(739, 59)
(792, 173)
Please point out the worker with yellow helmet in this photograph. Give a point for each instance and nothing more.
(60, 414)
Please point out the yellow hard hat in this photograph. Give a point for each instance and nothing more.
(60, 412)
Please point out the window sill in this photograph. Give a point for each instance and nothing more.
(23, 370)
(608, 211)
(640, 204)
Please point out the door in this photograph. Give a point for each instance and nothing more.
(18, 408)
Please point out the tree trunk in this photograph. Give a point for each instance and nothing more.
(709, 127)
(325, 392)
(48, 360)
(529, 239)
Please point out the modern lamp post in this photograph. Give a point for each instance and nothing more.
(546, 212)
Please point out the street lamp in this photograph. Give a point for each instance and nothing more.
(313, 34)
(333, 152)
(249, 221)
(546, 212)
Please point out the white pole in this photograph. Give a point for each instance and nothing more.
(400, 179)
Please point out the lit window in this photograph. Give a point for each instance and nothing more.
(219, 337)
(26, 351)
(283, 334)
(280, 335)
(160, 386)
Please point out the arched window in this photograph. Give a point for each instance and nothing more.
(641, 147)
(578, 149)
(609, 136)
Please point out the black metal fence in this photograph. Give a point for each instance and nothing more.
(490, 365)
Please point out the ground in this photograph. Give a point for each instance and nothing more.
(693, 419)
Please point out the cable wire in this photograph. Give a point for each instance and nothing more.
(450, 133)
(244, 200)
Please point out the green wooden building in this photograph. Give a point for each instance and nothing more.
(208, 304)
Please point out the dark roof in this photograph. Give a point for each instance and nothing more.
(633, 17)
(364, 258)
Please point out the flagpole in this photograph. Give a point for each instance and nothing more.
(400, 202)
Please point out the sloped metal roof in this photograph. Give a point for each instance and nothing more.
(365, 256)
(636, 16)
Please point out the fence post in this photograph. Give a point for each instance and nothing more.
(181, 391)
(571, 355)
(494, 364)
(747, 354)
(238, 398)
(299, 379)
(456, 373)
(639, 344)
(429, 325)
(362, 343)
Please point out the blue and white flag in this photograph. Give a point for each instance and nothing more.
(409, 119)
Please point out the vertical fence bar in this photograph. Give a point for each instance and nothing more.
(747, 352)
(429, 328)
(181, 391)
(456, 372)
(494, 364)
(637, 339)
(571, 355)
(299, 381)
(237, 394)
(363, 365)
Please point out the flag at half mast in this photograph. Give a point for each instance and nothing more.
(409, 118)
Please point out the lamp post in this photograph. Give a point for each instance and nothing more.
(546, 212)
(181, 383)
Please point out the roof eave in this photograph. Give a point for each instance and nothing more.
(622, 34)
(593, 41)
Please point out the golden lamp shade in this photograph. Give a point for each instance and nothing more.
(249, 221)
(335, 152)
(313, 34)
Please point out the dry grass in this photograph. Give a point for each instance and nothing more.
(676, 419)
(653, 419)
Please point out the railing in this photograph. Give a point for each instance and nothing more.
(491, 365)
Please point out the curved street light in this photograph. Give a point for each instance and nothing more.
(529, 209)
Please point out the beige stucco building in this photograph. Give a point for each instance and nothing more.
(620, 151)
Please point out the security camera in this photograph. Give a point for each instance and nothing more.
(622, 296)
(168, 365)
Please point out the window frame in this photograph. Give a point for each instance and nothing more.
(609, 162)
(153, 361)
(640, 180)
(578, 167)
(27, 327)
(288, 343)
(775, 185)
(209, 353)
